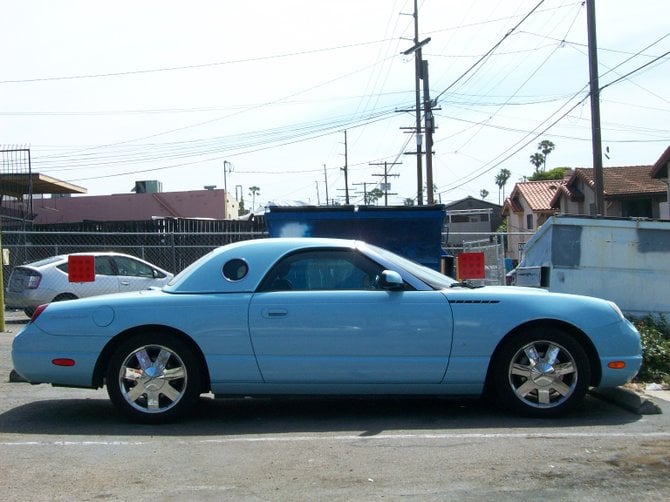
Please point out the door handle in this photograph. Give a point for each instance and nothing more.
(274, 313)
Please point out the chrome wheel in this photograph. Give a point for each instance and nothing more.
(153, 379)
(543, 373)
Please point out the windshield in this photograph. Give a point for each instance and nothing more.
(433, 278)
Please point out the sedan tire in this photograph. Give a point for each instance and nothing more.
(153, 378)
(541, 373)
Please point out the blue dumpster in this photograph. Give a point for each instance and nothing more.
(411, 231)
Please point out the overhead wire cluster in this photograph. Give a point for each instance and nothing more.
(476, 89)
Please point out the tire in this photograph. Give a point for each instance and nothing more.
(153, 378)
(541, 373)
(29, 311)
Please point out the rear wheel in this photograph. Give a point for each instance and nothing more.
(541, 373)
(153, 378)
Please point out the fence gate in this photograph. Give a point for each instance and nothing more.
(494, 258)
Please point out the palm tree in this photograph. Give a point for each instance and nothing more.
(537, 159)
(501, 181)
(483, 193)
(546, 147)
(254, 191)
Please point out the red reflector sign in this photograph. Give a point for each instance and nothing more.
(81, 268)
(470, 266)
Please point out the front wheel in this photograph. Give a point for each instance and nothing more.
(153, 378)
(541, 373)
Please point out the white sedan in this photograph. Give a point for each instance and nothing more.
(47, 280)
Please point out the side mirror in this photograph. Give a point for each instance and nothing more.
(391, 280)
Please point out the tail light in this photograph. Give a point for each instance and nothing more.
(38, 311)
(33, 280)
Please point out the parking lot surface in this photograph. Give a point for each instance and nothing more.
(69, 444)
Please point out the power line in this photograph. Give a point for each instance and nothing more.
(491, 50)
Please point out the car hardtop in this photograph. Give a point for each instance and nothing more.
(206, 274)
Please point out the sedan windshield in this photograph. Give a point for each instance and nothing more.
(431, 277)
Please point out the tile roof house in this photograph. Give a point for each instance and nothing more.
(629, 191)
(530, 204)
(660, 172)
(528, 207)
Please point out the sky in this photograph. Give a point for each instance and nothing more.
(260, 93)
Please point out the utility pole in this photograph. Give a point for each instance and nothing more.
(417, 83)
(386, 175)
(419, 68)
(429, 127)
(595, 107)
(318, 199)
(325, 177)
(365, 190)
(346, 171)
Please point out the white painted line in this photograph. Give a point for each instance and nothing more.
(359, 438)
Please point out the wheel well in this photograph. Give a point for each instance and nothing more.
(573, 331)
(114, 343)
(64, 296)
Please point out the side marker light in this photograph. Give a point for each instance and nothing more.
(63, 361)
(616, 365)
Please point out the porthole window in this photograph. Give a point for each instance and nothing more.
(235, 270)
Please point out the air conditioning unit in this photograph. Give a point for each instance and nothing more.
(149, 186)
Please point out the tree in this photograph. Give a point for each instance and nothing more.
(241, 211)
(557, 173)
(254, 191)
(483, 193)
(537, 159)
(373, 196)
(408, 201)
(501, 181)
(546, 147)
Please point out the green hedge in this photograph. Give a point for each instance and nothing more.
(655, 334)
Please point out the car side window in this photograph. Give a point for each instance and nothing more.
(103, 265)
(133, 268)
(323, 270)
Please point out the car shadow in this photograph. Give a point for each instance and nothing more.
(358, 416)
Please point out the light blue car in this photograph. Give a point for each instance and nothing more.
(317, 316)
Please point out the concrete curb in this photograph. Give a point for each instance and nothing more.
(628, 399)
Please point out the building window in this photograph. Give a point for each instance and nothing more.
(529, 222)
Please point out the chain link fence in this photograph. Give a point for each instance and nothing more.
(173, 249)
(493, 247)
(172, 252)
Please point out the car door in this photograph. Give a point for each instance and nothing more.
(134, 275)
(320, 317)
